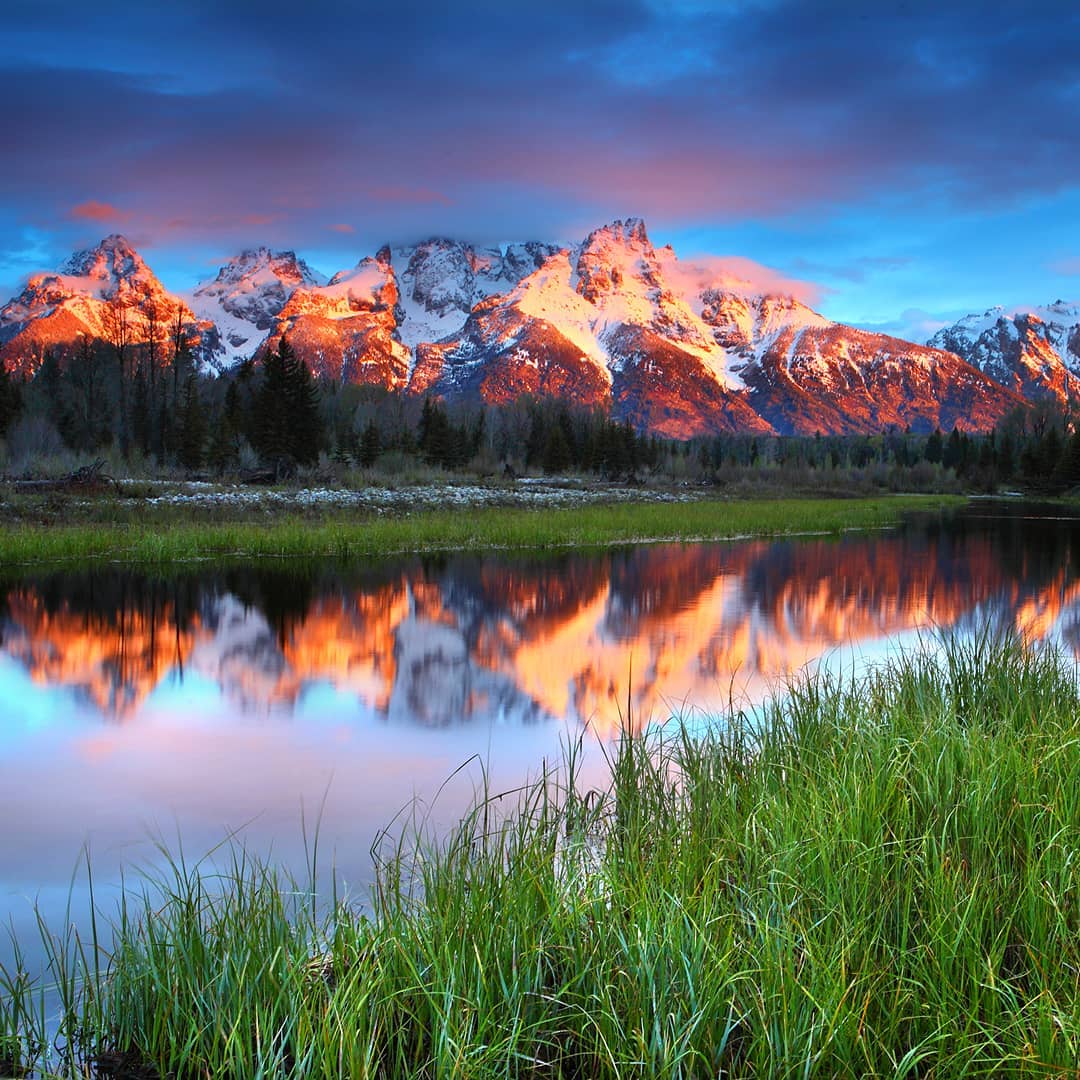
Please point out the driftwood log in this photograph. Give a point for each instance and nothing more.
(276, 471)
(87, 480)
(258, 476)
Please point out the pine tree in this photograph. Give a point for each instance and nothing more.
(423, 429)
(221, 452)
(225, 435)
(557, 455)
(476, 435)
(1048, 454)
(233, 414)
(435, 437)
(192, 427)
(163, 435)
(10, 399)
(50, 382)
(117, 323)
(288, 422)
(369, 445)
(952, 452)
(1005, 456)
(273, 434)
(1066, 474)
(80, 409)
(140, 411)
(302, 398)
(935, 447)
(538, 437)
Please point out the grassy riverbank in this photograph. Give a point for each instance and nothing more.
(883, 880)
(166, 533)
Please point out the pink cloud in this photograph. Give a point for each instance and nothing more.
(734, 273)
(1070, 265)
(216, 222)
(341, 228)
(93, 210)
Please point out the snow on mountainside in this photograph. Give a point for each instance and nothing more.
(441, 281)
(600, 323)
(614, 322)
(673, 347)
(1035, 351)
(345, 329)
(244, 299)
(55, 310)
(365, 324)
(806, 373)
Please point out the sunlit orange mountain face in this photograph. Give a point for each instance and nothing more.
(677, 349)
(592, 641)
(1034, 352)
(106, 294)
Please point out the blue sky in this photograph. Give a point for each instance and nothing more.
(912, 161)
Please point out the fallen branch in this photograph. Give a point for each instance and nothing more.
(86, 479)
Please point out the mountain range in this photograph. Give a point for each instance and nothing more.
(676, 348)
(1036, 352)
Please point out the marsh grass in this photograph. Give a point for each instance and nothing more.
(170, 534)
(873, 878)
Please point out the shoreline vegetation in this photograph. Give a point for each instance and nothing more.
(871, 877)
(135, 530)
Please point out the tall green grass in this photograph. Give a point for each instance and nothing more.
(873, 878)
(165, 537)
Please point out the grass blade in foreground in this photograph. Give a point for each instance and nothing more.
(882, 879)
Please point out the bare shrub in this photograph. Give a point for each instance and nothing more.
(34, 446)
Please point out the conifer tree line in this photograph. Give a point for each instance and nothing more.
(150, 404)
(153, 404)
(156, 407)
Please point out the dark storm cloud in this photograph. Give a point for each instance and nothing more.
(223, 121)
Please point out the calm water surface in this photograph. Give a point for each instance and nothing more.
(136, 707)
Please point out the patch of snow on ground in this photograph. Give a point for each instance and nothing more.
(526, 492)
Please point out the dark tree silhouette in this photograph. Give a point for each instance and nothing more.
(10, 399)
(192, 427)
(289, 425)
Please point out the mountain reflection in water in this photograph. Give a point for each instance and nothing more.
(135, 706)
(578, 638)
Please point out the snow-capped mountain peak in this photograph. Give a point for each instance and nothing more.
(440, 281)
(616, 257)
(628, 233)
(57, 310)
(1032, 350)
(262, 265)
(112, 262)
(245, 298)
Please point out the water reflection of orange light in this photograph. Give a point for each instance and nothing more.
(1037, 616)
(587, 640)
(349, 642)
(116, 660)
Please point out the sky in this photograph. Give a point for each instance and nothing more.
(906, 162)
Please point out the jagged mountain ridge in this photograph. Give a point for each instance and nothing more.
(55, 310)
(674, 348)
(1035, 352)
(366, 324)
(244, 300)
(614, 321)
